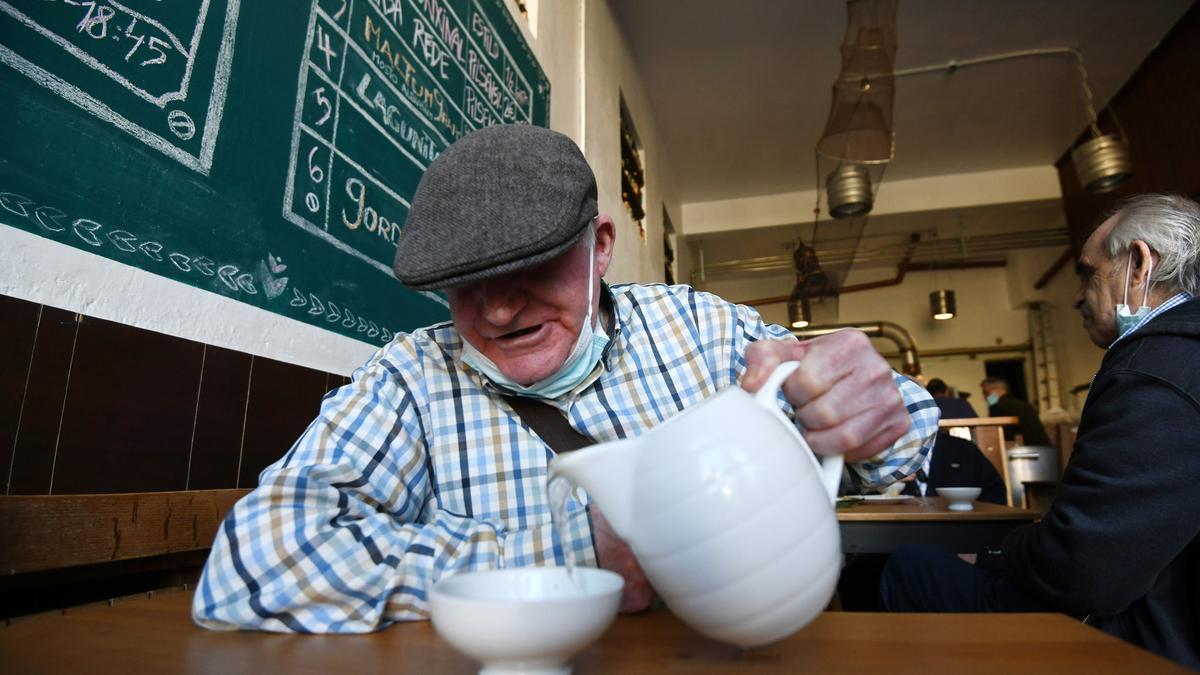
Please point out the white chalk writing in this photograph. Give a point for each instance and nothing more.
(333, 314)
(383, 87)
(95, 234)
(153, 59)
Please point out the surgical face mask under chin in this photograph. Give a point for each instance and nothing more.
(589, 347)
(1126, 320)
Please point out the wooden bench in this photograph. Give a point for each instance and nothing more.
(63, 550)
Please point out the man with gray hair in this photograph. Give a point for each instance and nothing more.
(1120, 545)
(432, 462)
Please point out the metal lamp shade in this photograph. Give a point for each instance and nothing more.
(799, 311)
(848, 189)
(942, 305)
(1102, 163)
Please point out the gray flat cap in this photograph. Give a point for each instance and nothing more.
(498, 200)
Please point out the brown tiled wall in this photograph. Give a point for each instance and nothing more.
(92, 406)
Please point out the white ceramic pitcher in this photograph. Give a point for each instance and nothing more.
(727, 510)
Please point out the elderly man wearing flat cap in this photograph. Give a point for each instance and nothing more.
(433, 461)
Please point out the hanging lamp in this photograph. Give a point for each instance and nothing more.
(848, 190)
(942, 305)
(799, 310)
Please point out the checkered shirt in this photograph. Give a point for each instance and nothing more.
(417, 469)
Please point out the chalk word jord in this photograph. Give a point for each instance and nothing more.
(366, 216)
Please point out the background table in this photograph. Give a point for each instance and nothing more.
(156, 635)
(879, 528)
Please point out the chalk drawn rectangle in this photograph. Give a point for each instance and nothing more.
(132, 47)
(383, 87)
(164, 76)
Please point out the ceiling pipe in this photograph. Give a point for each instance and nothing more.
(910, 363)
(985, 249)
(1102, 162)
(901, 272)
(953, 65)
(1018, 348)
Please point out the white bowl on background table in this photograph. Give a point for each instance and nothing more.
(960, 498)
(526, 620)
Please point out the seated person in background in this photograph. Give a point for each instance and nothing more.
(952, 407)
(1003, 404)
(955, 462)
(421, 468)
(1120, 544)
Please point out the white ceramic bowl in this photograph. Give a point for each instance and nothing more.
(525, 620)
(960, 498)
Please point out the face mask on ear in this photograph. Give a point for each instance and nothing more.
(589, 347)
(1125, 319)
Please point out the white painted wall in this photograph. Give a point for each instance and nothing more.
(40, 270)
(609, 73)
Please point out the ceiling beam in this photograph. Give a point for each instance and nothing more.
(933, 193)
(1053, 270)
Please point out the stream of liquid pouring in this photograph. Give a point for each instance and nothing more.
(558, 490)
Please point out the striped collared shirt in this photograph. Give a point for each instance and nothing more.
(418, 469)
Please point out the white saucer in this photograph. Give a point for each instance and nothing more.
(886, 499)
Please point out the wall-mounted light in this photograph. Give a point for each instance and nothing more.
(942, 305)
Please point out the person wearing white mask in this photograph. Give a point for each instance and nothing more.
(427, 464)
(1120, 545)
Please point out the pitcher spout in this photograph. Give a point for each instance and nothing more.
(606, 471)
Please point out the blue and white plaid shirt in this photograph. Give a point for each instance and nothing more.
(417, 469)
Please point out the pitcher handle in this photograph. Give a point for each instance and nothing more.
(830, 467)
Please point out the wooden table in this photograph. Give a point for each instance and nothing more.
(879, 528)
(156, 635)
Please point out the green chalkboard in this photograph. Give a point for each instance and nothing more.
(265, 151)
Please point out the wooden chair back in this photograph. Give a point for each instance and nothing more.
(988, 434)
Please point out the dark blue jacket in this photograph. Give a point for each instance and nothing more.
(960, 463)
(954, 408)
(1121, 541)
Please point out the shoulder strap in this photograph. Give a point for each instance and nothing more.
(549, 423)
